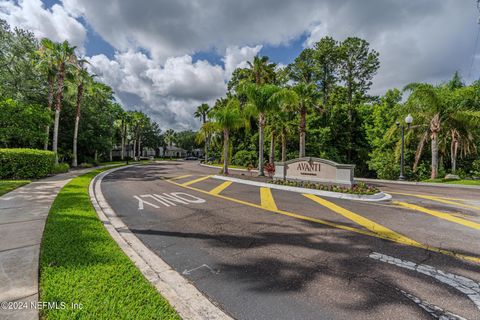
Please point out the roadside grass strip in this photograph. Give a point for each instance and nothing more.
(220, 188)
(9, 185)
(452, 201)
(80, 263)
(390, 236)
(441, 215)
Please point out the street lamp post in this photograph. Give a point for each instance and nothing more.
(408, 121)
(128, 146)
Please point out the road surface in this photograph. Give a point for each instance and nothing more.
(260, 253)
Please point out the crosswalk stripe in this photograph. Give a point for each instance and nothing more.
(364, 222)
(266, 199)
(181, 177)
(441, 215)
(195, 181)
(220, 188)
(440, 199)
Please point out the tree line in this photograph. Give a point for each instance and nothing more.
(320, 106)
(49, 100)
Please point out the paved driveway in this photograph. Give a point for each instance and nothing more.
(261, 253)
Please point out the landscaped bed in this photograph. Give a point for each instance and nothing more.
(9, 185)
(361, 188)
(80, 263)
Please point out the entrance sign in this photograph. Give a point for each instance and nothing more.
(315, 170)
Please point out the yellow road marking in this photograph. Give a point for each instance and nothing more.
(195, 181)
(364, 222)
(267, 200)
(335, 225)
(441, 215)
(181, 177)
(220, 188)
(440, 199)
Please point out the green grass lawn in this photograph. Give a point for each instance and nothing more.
(9, 185)
(80, 263)
(465, 182)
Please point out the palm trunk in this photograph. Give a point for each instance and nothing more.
(77, 121)
(261, 138)
(272, 149)
(50, 103)
(284, 146)
(123, 134)
(139, 148)
(75, 137)
(225, 151)
(454, 154)
(55, 134)
(134, 148)
(303, 126)
(58, 107)
(434, 155)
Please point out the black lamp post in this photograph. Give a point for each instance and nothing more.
(408, 121)
(128, 137)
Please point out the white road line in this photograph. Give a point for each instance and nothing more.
(435, 311)
(465, 285)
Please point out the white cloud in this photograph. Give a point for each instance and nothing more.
(55, 23)
(417, 40)
(168, 92)
(237, 57)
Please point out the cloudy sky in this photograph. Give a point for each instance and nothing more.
(167, 57)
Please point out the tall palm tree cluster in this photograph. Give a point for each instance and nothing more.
(325, 91)
(67, 74)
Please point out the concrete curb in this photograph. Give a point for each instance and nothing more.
(425, 184)
(187, 300)
(371, 198)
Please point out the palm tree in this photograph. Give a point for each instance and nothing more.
(82, 79)
(169, 137)
(202, 112)
(64, 56)
(299, 99)
(261, 70)
(259, 104)
(432, 110)
(227, 119)
(47, 64)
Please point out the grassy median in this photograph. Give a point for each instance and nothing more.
(81, 264)
(9, 185)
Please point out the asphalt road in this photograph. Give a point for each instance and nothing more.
(271, 254)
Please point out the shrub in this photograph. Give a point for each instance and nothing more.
(61, 168)
(476, 168)
(25, 163)
(85, 165)
(270, 168)
(244, 158)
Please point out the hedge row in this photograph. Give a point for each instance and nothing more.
(25, 163)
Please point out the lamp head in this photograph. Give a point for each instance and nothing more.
(409, 119)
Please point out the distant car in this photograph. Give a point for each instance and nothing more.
(191, 158)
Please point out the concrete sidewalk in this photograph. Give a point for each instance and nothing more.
(23, 213)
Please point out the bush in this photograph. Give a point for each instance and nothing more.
(85, 165)
(61, 168)
(476, 168)
(25, 163)
(244, 158)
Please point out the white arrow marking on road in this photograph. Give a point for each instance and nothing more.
(188, 197)
(141, 202)
(187, 272)
(465, 285)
